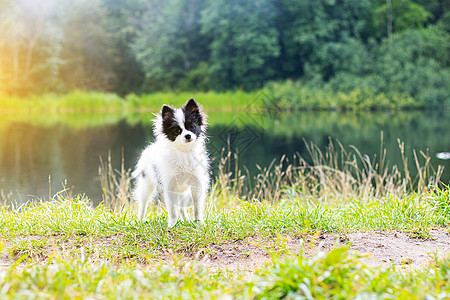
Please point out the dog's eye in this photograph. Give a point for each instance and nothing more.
(178, 131)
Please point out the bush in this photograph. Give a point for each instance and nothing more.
(197, 79)
(295, 94)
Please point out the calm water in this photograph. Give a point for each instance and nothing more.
(39, 153)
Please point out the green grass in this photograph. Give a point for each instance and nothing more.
(80, 110)
(94, 119)
(285, 95)
(74, 101)
(67, 248)
(338, 274)
(78, 101)
(229, 100)
(77, 218)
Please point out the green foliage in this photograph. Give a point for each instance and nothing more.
(169, 42)
(444, 22)
(406, 14)
(244, 41)
(316, 35)
(412, 72)
(414, 66)
(86, 49)
(198, 79)
(133, 46)
(295, 95)
(122, 26)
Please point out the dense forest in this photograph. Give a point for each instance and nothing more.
(135, 46)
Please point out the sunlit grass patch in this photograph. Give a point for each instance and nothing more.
(133, 240)
(70, 216)
(30, 247)
(70, 102)
(285, 95)
(212, 100)
(80, 101)
(440, 201)
(76, 277)
(338, 274)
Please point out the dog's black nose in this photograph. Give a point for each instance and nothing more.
(188, 137)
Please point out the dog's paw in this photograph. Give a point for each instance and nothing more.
(171, 223)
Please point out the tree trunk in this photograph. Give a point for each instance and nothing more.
(32, 43)
(389, 22)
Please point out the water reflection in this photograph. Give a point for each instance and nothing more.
(68, 147)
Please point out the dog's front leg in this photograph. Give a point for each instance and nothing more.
(170, 199)
(198, 198)
(184, 203)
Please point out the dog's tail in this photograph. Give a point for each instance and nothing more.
(138, 171)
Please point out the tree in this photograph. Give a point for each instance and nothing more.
(417, 65)
(30, 45)
(122, 23)
(87, 50)
(244, 42)
(316, 36)
(169, 44)
(400, 15)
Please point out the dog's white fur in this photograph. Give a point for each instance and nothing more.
(179, 170)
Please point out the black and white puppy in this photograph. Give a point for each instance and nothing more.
(176, 165)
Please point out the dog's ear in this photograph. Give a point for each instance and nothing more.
(166, 112)
(191, 106)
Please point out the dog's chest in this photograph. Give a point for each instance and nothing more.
(186, 163)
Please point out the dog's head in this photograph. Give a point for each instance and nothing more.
(182, 126)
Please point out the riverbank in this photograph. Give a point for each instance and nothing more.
(79, 101)
(276, 96)
(67, 248)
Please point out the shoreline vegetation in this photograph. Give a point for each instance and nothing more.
(276, 96)
(66, 247)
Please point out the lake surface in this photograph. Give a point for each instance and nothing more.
(38, 153)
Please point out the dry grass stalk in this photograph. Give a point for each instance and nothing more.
(116, 184)
(333, 174)
(5, 199)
